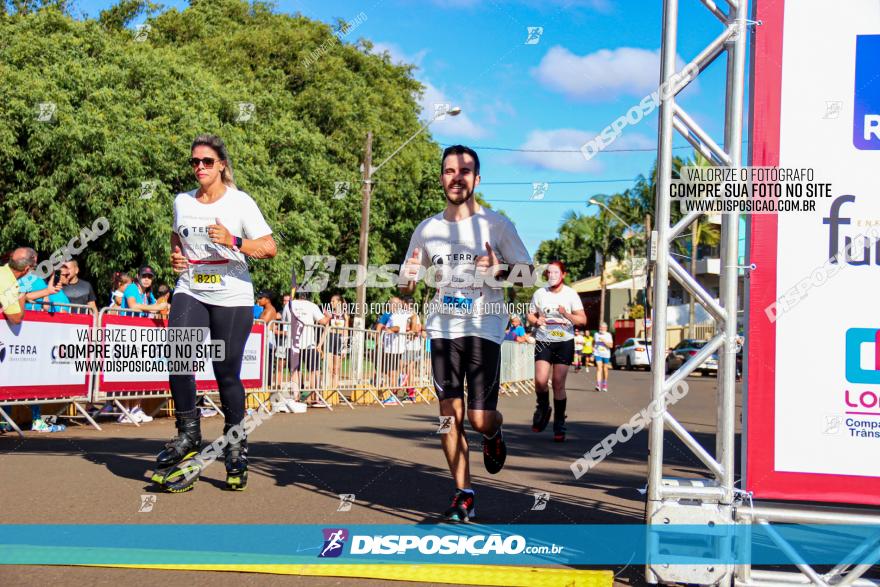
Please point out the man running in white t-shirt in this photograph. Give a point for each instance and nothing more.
(465, 244)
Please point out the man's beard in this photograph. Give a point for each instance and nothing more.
(460, 198)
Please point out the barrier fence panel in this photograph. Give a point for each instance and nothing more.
(354, 366)
(33, 368)
(120, 328)
(349, 365)
(517, 367)
(336, 365)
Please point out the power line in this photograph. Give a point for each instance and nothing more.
(492, 200)
(633, 150)
(628, 179)
(551, 182)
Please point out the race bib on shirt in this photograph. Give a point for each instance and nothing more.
(559, 331)
(458, 301)
(601, 348)
(208, 276)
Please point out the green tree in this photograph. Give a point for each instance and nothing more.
(127, 107)
(572, 246)
(605, 234)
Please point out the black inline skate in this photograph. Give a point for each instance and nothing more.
(178, 466)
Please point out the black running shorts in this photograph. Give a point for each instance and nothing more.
(555, 353)
(472, 359)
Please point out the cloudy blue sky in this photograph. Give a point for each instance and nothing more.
(593, 61)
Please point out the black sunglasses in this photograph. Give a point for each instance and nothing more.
(208, 162)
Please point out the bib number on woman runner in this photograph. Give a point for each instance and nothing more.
(208, 278)
(556, 331)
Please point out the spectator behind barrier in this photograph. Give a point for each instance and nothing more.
(310, 315)
(382, 322)
(394, 344)
(267, 308)
(12, 300)
(77, 290)
(337, 339)
(37, 290)
(138, 296)
(515, 331)
(163, 296)
(413, 345)
(117, 289)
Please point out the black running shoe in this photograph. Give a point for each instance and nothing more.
(494, 452)
(558, 432)
(462, 508)
(541, 417)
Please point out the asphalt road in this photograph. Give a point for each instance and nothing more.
(389, 458)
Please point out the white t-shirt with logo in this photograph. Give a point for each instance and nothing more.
(217, 275)
(602, 344)
(394, 342)
(546, 303)
(460, 309)
(309, 314)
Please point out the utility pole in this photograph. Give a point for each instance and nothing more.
(648, 291)
(365, 233)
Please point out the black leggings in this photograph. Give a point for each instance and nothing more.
(232, 325)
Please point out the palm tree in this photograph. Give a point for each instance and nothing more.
(701, 233)
(640, 210)
(605, 236)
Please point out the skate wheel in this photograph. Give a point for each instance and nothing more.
(179, 488)
(183, 476)
(237, 482)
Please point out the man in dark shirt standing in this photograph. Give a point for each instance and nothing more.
(78, 290)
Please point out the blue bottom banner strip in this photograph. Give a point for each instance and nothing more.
(439, 544)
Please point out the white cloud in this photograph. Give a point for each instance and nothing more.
(455, 126)
(398, 56)
(494, 109)
(571, 140)
(603, 75)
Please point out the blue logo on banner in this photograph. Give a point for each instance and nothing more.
(855, 337)
(334, 542)
(866, 111)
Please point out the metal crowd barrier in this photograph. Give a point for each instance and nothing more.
(106, 393)
(51, 394)
(353, 366)
(349, 366)
(337, 366)
(517, 367)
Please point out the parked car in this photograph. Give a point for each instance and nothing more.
(686, 349)
(634, 352)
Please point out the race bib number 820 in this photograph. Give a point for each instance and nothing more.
(207, 279)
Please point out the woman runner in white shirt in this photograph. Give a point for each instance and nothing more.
(216, 227)
(557, 310)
